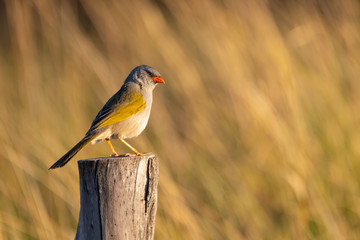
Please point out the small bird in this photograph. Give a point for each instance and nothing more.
(124, 115)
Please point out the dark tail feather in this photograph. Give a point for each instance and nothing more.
(67, 157)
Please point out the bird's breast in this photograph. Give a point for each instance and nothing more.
(127, 128)
(132, 126)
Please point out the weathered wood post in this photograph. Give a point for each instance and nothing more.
(118, 197)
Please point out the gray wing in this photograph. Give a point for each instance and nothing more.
(108, 108)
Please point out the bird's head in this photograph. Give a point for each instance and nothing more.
(146, 76)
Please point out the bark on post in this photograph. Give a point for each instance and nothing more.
(118, 197)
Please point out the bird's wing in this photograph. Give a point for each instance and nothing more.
(119, 108)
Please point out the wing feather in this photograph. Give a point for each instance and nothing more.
(118, 108)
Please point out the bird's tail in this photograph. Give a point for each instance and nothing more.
(67, 157)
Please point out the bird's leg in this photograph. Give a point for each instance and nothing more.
(111, 147)
(129, 146)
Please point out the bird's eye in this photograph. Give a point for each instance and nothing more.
(149, 73)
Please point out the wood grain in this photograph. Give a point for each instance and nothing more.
(118, 197)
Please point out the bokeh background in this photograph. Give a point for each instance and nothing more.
(257, 127)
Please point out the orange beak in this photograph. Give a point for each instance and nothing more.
(158, 80)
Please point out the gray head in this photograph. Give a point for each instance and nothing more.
(145, 76)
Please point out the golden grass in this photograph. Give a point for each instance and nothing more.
(257, 127)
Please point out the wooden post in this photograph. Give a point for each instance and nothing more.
(118, 197)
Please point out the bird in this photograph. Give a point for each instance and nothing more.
(125, 115)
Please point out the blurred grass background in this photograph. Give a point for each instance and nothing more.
(257, 127)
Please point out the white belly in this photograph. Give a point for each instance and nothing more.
(128, 128)
(132, 126)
